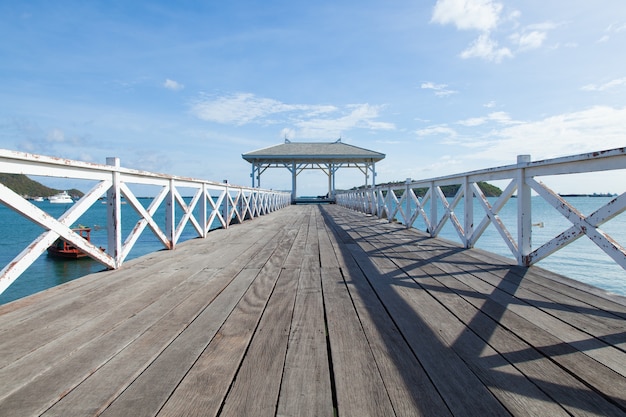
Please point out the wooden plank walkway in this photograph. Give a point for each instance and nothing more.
(315, 311)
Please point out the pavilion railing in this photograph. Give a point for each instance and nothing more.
(424, 199)
(211, 202)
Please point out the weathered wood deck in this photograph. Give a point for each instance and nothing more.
(311, 311)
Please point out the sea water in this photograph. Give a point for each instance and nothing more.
(582, 260)
(47, 271)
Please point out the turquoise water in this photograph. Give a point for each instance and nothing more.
(581, 260)
(17, 233)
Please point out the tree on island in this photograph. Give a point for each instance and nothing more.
(448, 190)
(26, 187)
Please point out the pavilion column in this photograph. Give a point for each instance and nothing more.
(330, 180)
(373, 174)
(294, 176)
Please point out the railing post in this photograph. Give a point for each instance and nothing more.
(433, 209)
(226, 206)
(170, 210)
(468, 210)
(524, 212)
(389, 199)
(407, 217)
(114, 213)
(204, 211)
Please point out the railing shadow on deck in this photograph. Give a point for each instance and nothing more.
(476, 266)
(469, 347)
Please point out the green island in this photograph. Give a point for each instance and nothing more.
(29, 188)
(448, 190)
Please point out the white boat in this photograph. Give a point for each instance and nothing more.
(38, 199)
(61, 198)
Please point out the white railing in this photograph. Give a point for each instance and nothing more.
(400, 203)
(211, 202)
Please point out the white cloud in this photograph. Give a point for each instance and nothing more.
(437, 131)
(440, 90)
(531, 40)
(238, 109)
(481, 15)
(619, 82)
(498, 117)
(486, 16)
(243, 108)
(532, 36)
(445, 163)
(361, 116)
(613, 28)
(616, 27)
(501, 117)
(307, 121)
(593, 129)
(486, 48)
(56, 135)
(173, 85)
(474, 121)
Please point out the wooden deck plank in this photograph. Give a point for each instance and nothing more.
(227, 285)
(360, 389)
(94, 394)
(306, 383)
(410, 389)
(566, 339)
(33, 307)
(459, 386)
(100, 319)
(593, 296)
(205, 386)
(255, 390)
(235, 324)
(600, 317)
(580, 399)
(72, 311)
(327, 253)
(576, 397)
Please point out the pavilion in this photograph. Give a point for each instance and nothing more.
(300, 156)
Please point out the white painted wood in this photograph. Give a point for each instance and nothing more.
(113, 181)
(521, 177)
(114, 213)
(468, 199)
(524, 212)
(491, 216)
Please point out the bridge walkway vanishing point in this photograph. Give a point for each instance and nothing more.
(311, 311)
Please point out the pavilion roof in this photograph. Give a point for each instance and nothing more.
(313, 152)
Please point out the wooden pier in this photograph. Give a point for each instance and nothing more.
(315, 311)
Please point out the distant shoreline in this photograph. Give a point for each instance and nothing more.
(589, 195)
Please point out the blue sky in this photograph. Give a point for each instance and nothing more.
(439, 86)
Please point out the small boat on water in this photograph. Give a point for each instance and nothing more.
(62, 249)
(61, 198)
(38, 199)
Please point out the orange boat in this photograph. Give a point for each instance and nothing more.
(62, 249)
